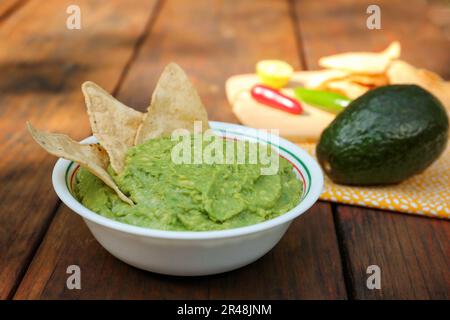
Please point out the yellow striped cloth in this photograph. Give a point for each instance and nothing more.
(426, 194)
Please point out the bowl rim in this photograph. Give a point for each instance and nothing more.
(315, 189)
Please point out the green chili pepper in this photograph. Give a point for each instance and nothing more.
(326, 100)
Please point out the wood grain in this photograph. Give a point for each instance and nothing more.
(8, 7)
(42, 65)
(413, 252)
(340, 26)
(211, 40)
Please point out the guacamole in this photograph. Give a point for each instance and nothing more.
(190, 197)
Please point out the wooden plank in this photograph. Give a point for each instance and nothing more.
(413, 252)
(7, 7)
(340, 26)
(306, 264)
(42, 65)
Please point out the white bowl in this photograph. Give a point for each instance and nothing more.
(193, 253)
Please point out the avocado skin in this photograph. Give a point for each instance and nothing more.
(385, 136)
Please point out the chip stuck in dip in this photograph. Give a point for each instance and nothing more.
(132, 175)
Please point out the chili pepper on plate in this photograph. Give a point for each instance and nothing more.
(274, 98)
(326, 100)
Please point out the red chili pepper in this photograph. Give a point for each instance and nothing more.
(274, 98)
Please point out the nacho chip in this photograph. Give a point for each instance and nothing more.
(372, 80)
(315, 79)
(401, 72)
(90, 156)
(113, 123)
(363, 62)
(350, 89)
(175, 105)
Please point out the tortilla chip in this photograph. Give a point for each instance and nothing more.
(401, 72)
(113, 123)
(372, 80)
(90, 156)
(350, 89)
(363, 62)
(315, 79)
(175, 105)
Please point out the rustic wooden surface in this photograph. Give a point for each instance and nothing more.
(325, 253)
(42, 66)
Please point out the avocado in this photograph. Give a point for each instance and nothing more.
(385, 136)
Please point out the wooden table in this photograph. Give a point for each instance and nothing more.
(123, 47)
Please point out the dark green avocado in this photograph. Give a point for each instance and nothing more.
(385, 136)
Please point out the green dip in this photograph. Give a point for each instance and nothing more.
(190, 197)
